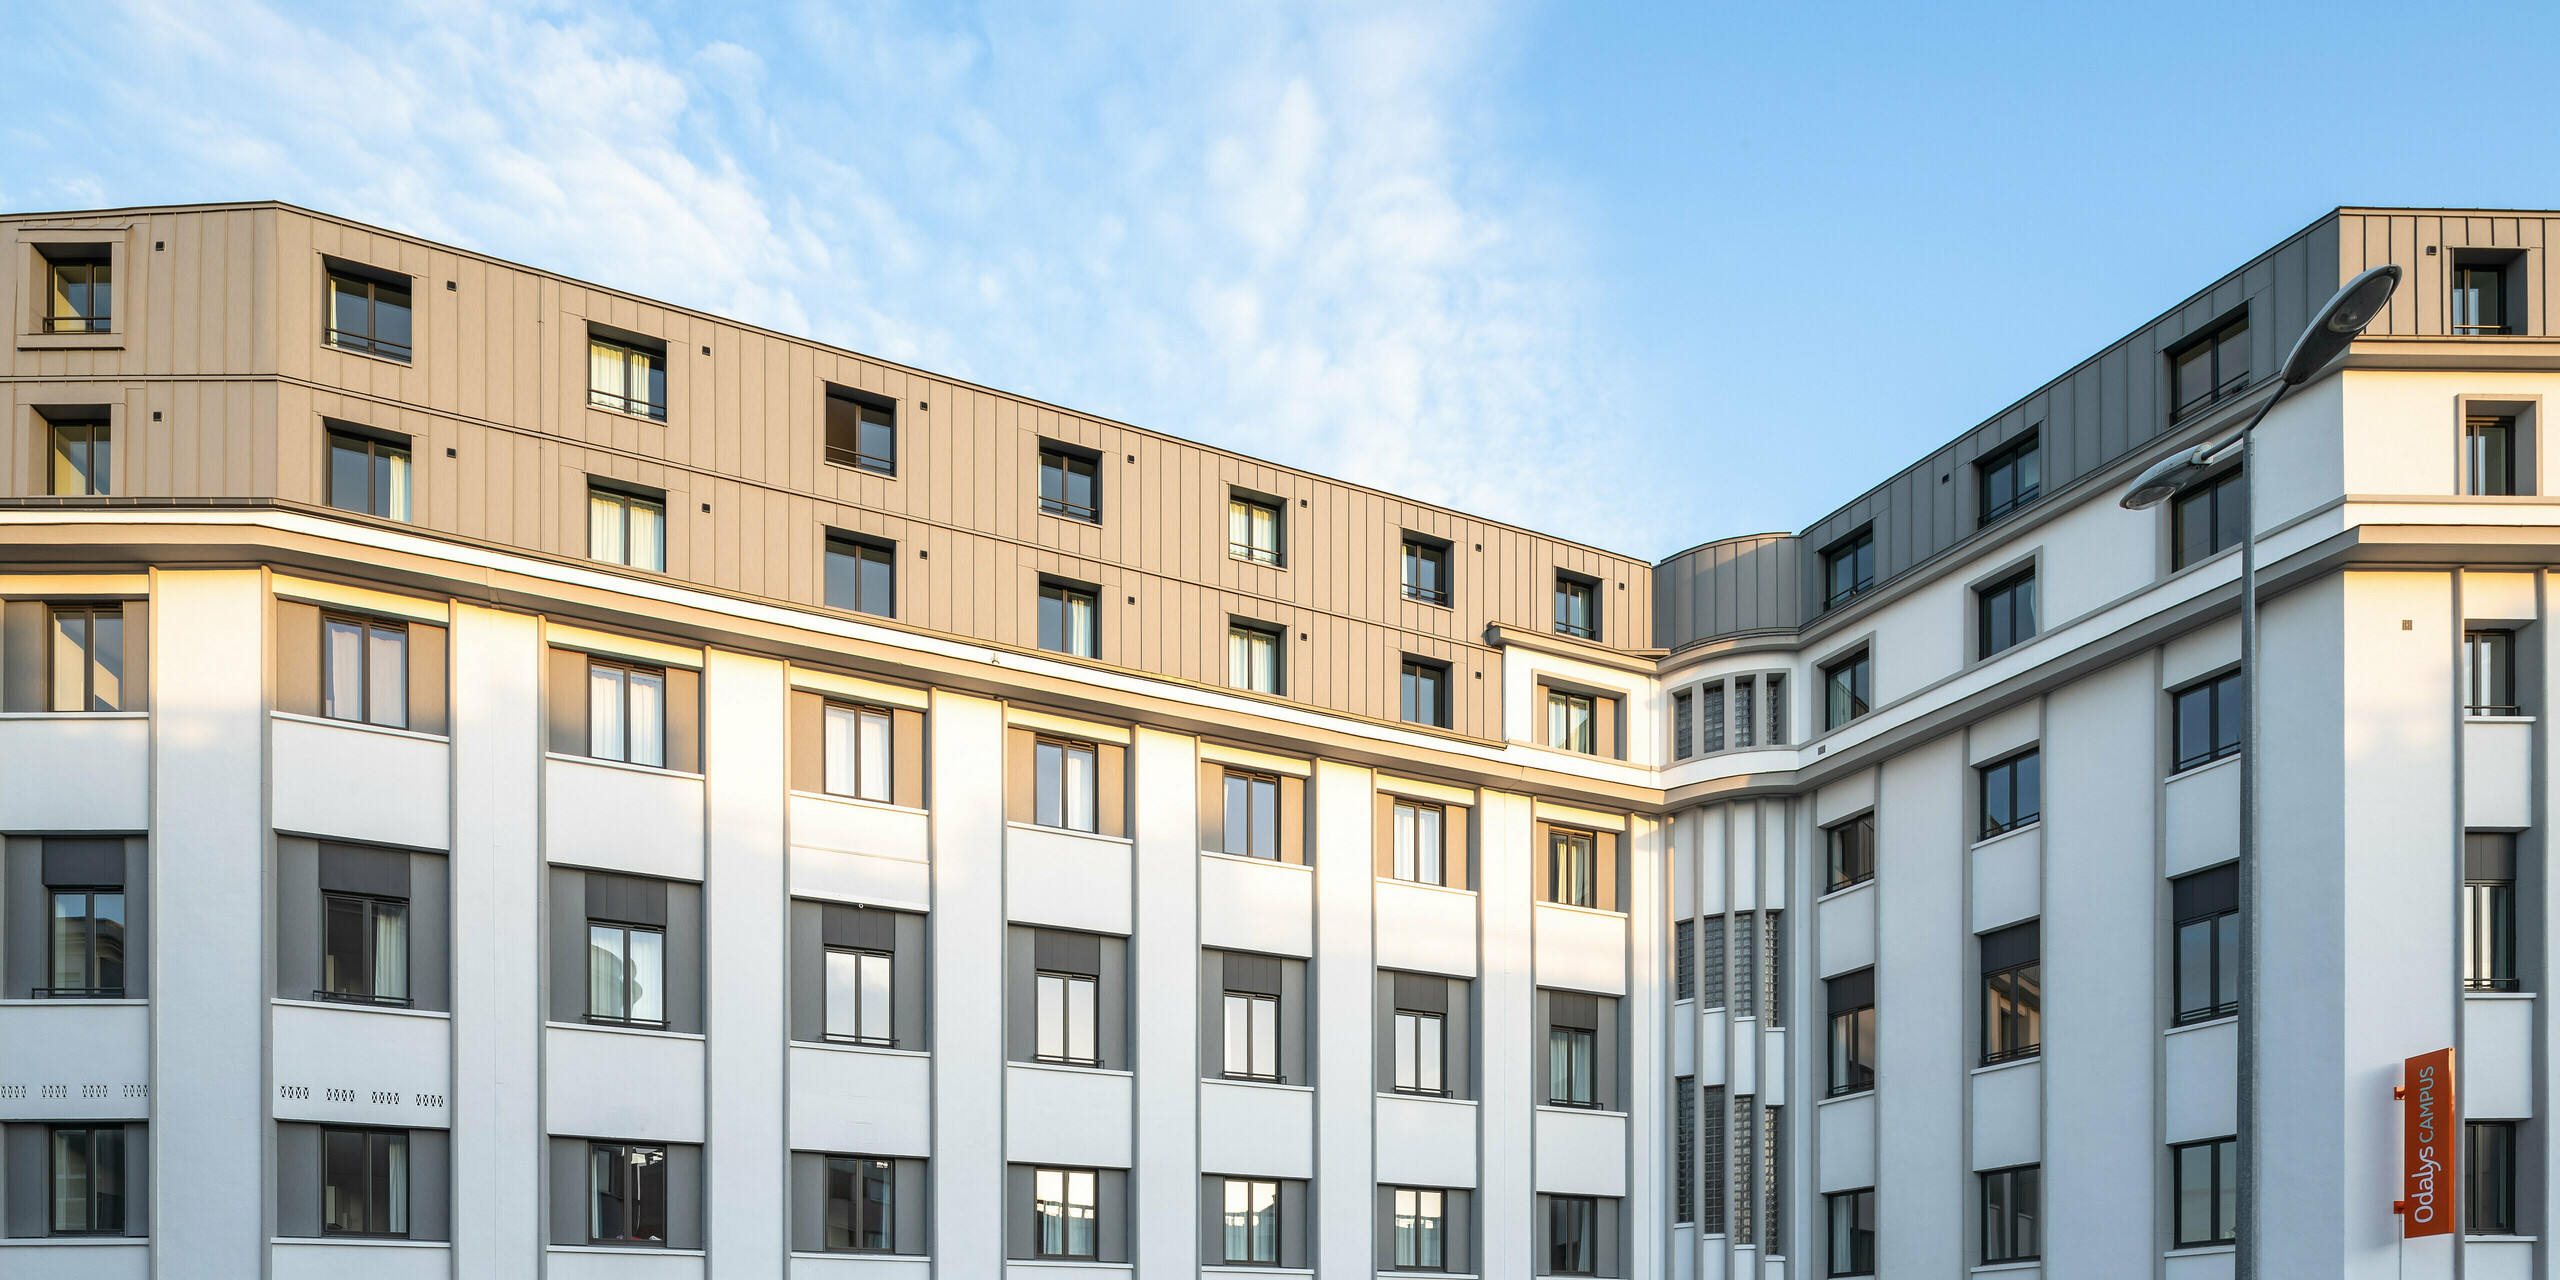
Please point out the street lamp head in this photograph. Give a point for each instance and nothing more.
(2171, 474)
(2339, 320)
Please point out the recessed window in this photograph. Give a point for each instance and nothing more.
(86, 943)
(2207, 519)
(2013, 1215)
(1067, 620)
(1064, 1004)
(2489, 455)
(1852, 999)
(1683, 721)
(1684, 960)
(2012, 993)
(1577, 606)
(1421, 1229)
(369, 314)
(627, 378)
(2012, 794)
(2205, 954)
(1253, 658)
(1572, 721)
(1070, 485)
(78, 450)
(1252, 1035)
(1853, 851)
(2489, 1177)
(1253, 530)
(1250, 1221)
(858, 987)
(1711, 717)
(1426, 571)
(1569, 1066)
(2479, 299)
(2011, 478)
(2208, 1200)
(1419, 831)
(1573, 1236)
(861, 1205)
(364, 671)
(627, 528)
(627, 713)
(626, 974)
(2208, 722)
(627, 1184)
(2210, 369)
(862, 431)
(2489, 911)
(1252, 815)
(1848, 568)
(2489, 673)
(1424, 693)
(1421, 1053)
(364, 950)
(369, 475)
(862, 575)
(1847, 687)
(87, 658)
(858, 754)
(79, 288)
(364, 1182)
(1853, 1232)
(87, 1195)
(1573, 868)
(2007, 612)
(1064, 784)
(1062, 1208)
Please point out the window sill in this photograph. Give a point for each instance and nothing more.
(2228, 1019)
(1278, 1086)
(2010, 834)
(2470, 719)
(342, 1006)
(609, 411)
(375, 356)
(2500, 995)
(1253, 1269)
(112, 340)
(1433, 1097)
(884, 1255)
(873, 1050)
(1582, 911)
(2024, 1060)
(1069, 1262)
(134, 1001)
(1026, 1064)
(625, 1249)
(614, 1029)
(1257, 562)
(383, 1242)
(2194, 769)
(361, 726)
(1425, 884)
(1073, 834)
(1846, 1097)
(1845, 890)
(1565, 1110)
(2201, 1251)
(1245, 857)
(853, 802)
(76, 715)
(1093, 521)
(2469, 1239)
(624, 765)
(1994, 1268)
(86, 1242)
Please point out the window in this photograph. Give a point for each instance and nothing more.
(1253, 530)
(365, 671)
(1425, 693)
(79, 289)
(1573, 868)
(1426, 571)
(370, 476)
(1772, 698)
(1251, 1221)
(1684, 960)
(1711, 718)
(1065, 1007)
(1421, 1053)
(1569, 1067)
(627, 528)
(1848, 568)
(1712, 1163)
(1070, 485)
(2207, 956)
(1746, 965)
(2489, 911)
(1253, 815)
(2208, 1199)
(369, 315)
(626, 378)
(1853, 1232)
(626, 713)
(2479, 298)
(1253, 658)
(1772, 1136)
(2488, 1177)
(364, 950)
(862, 576)
(2011, 794)
(1062, 1212)
(629, 1193)
(1573, 1228)
(2012, 993)
(2488, 455)
(2207, 519)
(88, 944)
(2210, 369)
(861, 1205)
(1711, 963)
(88, 658)
(81, 449)
(1684, 1155)
(1683, 719)
(1574, 607)
(2489, 674)
(862, 431)
(1419, 832)
(1773, 969)
(1421, 1226)
(1847, 685)
(2012, 1210)
(1063, 784)
(1571, 723)
(87, 1181)
(2208, 721)
(1852, 998)
(2011, 478)
(1253, 1036)
(2007, 612)
(858, 750)
(626, 974)
(364, 1182)
(1067, 620)
(858, 998)
(1853, 851)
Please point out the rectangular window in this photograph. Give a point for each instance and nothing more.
(1852, 999)
(1773, 969)
(2012, 1215)
(1684, 1155)
(1853, 1232)
(1421, 1053)
(1742, 724)
(1253, 531)
(88, 658)
(1848, 568)
(1421, 1227)
(1424, 695)
(862, 576)
(1070, 485)
(2489, 1178)
(1573, 1229)
(1683, 720)
(1067, 620)
(2489, 455)
(1853, 851)
(861, 1205)
(2210, 369)
(1065, 1008)
(2489, 912)
(79, 289)
(364, 950)
(1569, 1067)
(2479, 299)
(1711, 963)
(2208, 1200)
(2011, 478)
(2208, 721)
(1847, 686)
(80, 450)
(626, 974)
(2206, 960)
(369, 315)
(2006, 612)
(1571, 723)
(2489, 674)
(1063, 788)
(858, 752)
(369, 476)
(364, 671)
(858, 999)
(1711, 718)
(2012, 993)
(87, 936)
(2207, 519)
(1253, 1036)
(627, 528)
(1250, 1221)
(364, 1182)
(2012, 794)
(1684, 960)
(626, 378)
(1746, 963)
(1253, 815)
(1712, 1163)
(1426, 572)
(1773, 700)
(627, 713)
(87, 1176)
(629, 1185)
(1253, 658)
(1576, 609)
(1573, 868)
(1062, 1212)
(862, 431)
(1419, 832)
(1772, 1136)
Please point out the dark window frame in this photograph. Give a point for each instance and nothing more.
(1420, 671)
(1575, 1252)
(94, 264)
(2489, 665)
(54, 1174)
(1585, 740)
(381, 454)
(1227, 1221)
(627, 499)
(1045, 748)
(1253, 1003)
(2221, 695)
(95, 445)
(1418, 551)
(1064, 595)
(629, 671)
(1852, 1050)
(1860, 1202)
(868, 411)
(1579, 876)
(2011, 478)
(1067, 464)
(2491, 320)
(634, 354)
(2010, 791)
(1249, 634)
(1851, 848)
(860, 555)
(368, 285)
(1574, 591)
(89, 645)
(1439, 1061)
(370, 977)
(1848, 688)
(2005, 613)
(2489, 1156)
(2009, 989)
(374, 1196)
(1849, 568)
(1066, 1204)
(1276, 556)
(2016, 1235)
(1432, 854)
(93, 960)
(2489, 938)
(827, 1003)
(863, 1172)
(368, 629)
(627, 1157)
(2217, 924)
(2210, 344)
(2213, 1230)
(1260, 790)
(1437, 1234)
(2224, 499)
(629, 980)
(2489, 454)
(1068, 986)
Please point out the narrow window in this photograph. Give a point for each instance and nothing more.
(1742, 723)
(1713, 1163)
(1847, 686)
(1711, 963)
(364, 950)
(629, 1201)
(1067, 620)
(1772, 1184)
(1063, 784)
(1853, 1232)
(626, 974)
(861, 1205)
(1569, 1067)
(1251, 1219)
(862, 431)
(1421, 1228)
(1424, 693)
(2006, 612)
(2489, 911)
(2489, 674)
(370, 476)
(1711, 718)
(1853, 851)
(2208, 722)
(2208, 1203)
(2012, 1215)
(1253, 815)
(1062, 1212)
(79, 288)
(364, 1182)
(87, 944)
(1253, 531)
(1849, 568)
(1253, 1036)
(1853, 1032)
(88, 1195)
(1573, 1247)
(1746, 965)
(1773, 699)
(858, 752)
(1683, 721)
(1575, 615)
(80, 449)
(2012, 794)
(1426, 571)
(1773, 969)
(2479, 299)
(2489, 1177)
(2207, 519)
(862, 576)
(369, 315)
(1573, 868)
(2012, 993)
(1571, 723)
(1684, 960)
(2210, 369)
(1421, 1053)
(88, 659)
(627, 713)
(1418, 834)
(858, 997)
(1684, 1154)
(627, 528)
(1070, 486)
(2206, 958)
(364, 671)
(2011, 478)
(1065, 1008)
(1253, 658)
(626, 378)
(2488, 455)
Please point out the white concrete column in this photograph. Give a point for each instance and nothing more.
(1647, 1207)
(1165, 962)
(1923, 1006)
(209, 948)
(1507, 1037)
(1346, 1185)
(746, 899)
(498, 1176)
(967, 736)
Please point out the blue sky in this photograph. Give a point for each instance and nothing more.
(1643, 275)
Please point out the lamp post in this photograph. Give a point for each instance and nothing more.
(2332, 328)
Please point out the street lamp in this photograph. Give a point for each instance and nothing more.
(2337, 323)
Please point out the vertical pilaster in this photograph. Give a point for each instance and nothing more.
(1923, 1007)
(1506, 998)
(1345, 985)
(1167, 952)
(967, 736)
(1648, 1098)
(746, 909)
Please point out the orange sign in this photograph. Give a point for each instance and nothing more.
(2429, 1121)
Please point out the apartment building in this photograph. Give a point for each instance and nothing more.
(501, 777)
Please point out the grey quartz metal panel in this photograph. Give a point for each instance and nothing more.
(684, 720)
(22, 656)
(137, 1175)
(1019, 1242)
(430, 1184)
(297, 1179)
(84, 863)
(569, 1224)
(22, 1177)
(374, 873)
(137, 656)
(298, 676)
(628, 899)
(1111, 1215)
(684, 957)
(1457, 1229)
(862, 928)
(1457, 1034)
(1293, 1022)
(1605, 1229)
(907, 985)
(568, 945)
(1111, 1006)
(430, 933)
(808, 970)
(1021, 999)
(1254, 974)
(1213, 986)
(1213, 1208)
(1293, 1223)
(808, 1201)
(22, 918)
(684, 1197)
(297, 917)
(565, 701)
(910, 1195)
(1607, 1086)
(427, 677)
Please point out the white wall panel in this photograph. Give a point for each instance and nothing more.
(619, 818)
(2497, 1057)
(1066, 879)
(1341, 1005)
(2008, 879)
(968, 941)
(1579, 950)
(75, 1045)
(1846, 922)
(1684, 1038)
(1257, 905)
(2204, 817)
(2008, 1115)
(1848, 1137)
(646, 1085)
(861, 877)
(1257, 1129)
(746, 907)
(1426, 929)
(1067, 1115)
(374, 1260)
(1840, 799)
(1426, 1142)
(1581, 1153)
(860, 826)
(2201, 1067)
(1713, 1030)
(75, 773)
(1172, 874)
(77, 1259)
(1507, 1000)
(875, 1101)
(2012, 730)
(2497, 773)
(372, 785)
(389, 1066)
(1924, 1004)
(820, 1266)
(623, 1264)
(2488, 1258)
(2201, 652)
